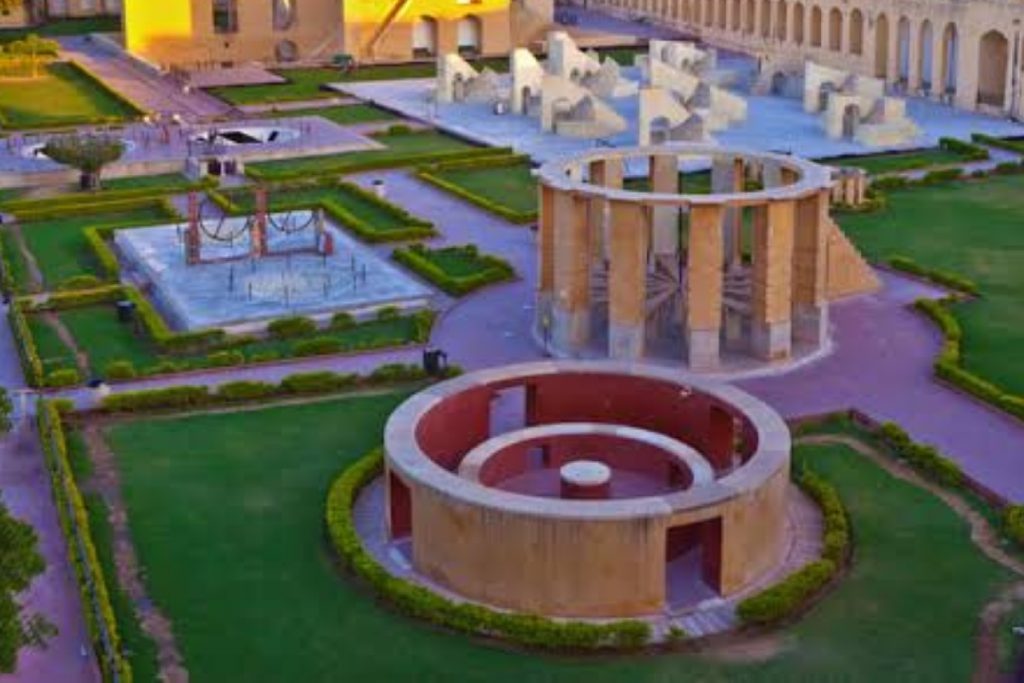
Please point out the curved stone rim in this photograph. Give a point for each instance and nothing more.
(698, 466)
(559, 174)
(404, 455)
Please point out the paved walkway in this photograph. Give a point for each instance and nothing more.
(146, 89)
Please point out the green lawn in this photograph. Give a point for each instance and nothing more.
(104, 339)
(975, 229)
(60, 247)
(510, 186)
(880, 164)
(227, 515)
(402, 149)
(344, 116)
(64, 27)
(166, 182)
(61, 96)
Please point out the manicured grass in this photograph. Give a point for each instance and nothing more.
(64, 27)
(344, 116)
(458, 270)
(60, 248)
(166, 182)
(53, 352)
(509, 186)
(880, 164)
(226, 513)
(61, 96)
(402, 149)
(975, 229)
(104, 339)
(142, 652)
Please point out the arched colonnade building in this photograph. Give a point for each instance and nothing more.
(726, 279)
(966, 53)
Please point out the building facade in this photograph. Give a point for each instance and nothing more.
(966, 53)
(21, 13)
(196, 33)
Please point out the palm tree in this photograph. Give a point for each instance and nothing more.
(88, 153)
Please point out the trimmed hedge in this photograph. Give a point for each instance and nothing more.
(342, 165)
(948, 365)
(28, 354)
(74, 521)
(940, 277)
(418, 259)
(1013, 523)
(792, 594)
(47, 211)
(98, 200)
(1015, 146)
(965, 149)
(187, 397)
(288, 328)
(925, 459)
(430, 174)
(417, 601)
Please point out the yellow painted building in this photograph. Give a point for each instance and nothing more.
(203, 33)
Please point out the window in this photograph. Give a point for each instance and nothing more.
(284, 14)
(225, 16)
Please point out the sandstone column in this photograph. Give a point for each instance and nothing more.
(810, 269)
(704, 286)
(570, 319)
(727, 176)
(665, 219)
(605, 173)
(627, 279)
(546, 258)
(771, 330)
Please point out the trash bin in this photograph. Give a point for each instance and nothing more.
(125, 311)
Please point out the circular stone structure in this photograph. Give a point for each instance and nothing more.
(586, 488)
(740, 272)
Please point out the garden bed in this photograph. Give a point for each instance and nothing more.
(64, 95)
(456, 270)
(504, 186)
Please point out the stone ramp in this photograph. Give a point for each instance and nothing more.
(707, 622)
(143, 87)
(848, 272)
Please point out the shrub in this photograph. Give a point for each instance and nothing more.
(965, 149)
(423, 262)
(120, 370)
(389, 313)
(399, 129)
(1013, 523)
(31, 364)
(65, 377)
(170, 398)
(288, 328)
(166, 367)
(79, 282)
(419, 602)
(245, 390)
(925, 459)
(316, 382)
(265, 357)
(786, 597)
(225, 359)
(941, 176)
(342, 321)
(318, 346)
(396, 372)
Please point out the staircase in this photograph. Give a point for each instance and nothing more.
(706, 621)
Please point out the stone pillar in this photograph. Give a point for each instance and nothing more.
(570, 315)
(704, 286)
(627, 279)
(727, 176)
(665, 219)
(546, 258)
(771, 330)
(810, 270)
(605, 173)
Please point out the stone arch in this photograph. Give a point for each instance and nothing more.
(856, 32)
(424, 37)
(881, 46)
(815, 26)
(470, 35)
(835, 29)
(798, 23)
(766, 18)
(993, 55)
(780, 20)
(950, 54)
(750, 17)
(925, 61)
(903, 50)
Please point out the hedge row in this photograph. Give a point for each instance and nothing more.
(28, 354)
(46, 212)
(417, 601)
(431, 174)
(7, 284)
(491, 268)
(948, 367)
(790, 595)
(965, 149)
(1015, 146)
(1013, 523)
(188, 396)
(925, 459)
(74, 522)
(90, 202)
(341, 164)
(942, 278)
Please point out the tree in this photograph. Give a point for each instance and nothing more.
(20, 562)
(88, 153)
(35, 49)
